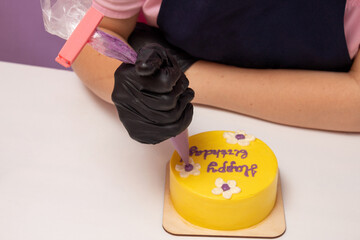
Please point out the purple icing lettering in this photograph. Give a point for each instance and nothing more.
(243, 155)
(192, 150)
(198, 153)
(211, 167)
(206, 153)
(217, 152)
(222, 169)
(240, 169)
(223, 152)
(252, 169)
(231, 167)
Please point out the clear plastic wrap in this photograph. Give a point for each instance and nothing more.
(61, 17)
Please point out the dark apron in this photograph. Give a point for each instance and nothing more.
(296, 34)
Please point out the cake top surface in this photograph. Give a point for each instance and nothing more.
(226, 165)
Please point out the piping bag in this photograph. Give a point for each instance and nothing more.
(63, 18)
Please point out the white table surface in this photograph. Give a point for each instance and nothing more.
(68, 169)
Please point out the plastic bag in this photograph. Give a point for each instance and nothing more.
(61, 17)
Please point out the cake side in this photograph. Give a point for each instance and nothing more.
(231, 183)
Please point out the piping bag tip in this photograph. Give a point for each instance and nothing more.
(181, 144)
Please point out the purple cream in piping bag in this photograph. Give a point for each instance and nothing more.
(181, 144)
(115, 48)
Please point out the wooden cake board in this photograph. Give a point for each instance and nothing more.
(271, 227)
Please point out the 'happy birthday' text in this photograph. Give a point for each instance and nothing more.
(217, 152)
(232, 167)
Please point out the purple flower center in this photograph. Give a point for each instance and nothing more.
(240, 136)
(225, 187)
(189, 167)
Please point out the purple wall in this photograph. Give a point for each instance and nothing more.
(23, 38)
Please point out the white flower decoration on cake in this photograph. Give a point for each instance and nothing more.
(238, 137)
(227, 189)
(189, 169)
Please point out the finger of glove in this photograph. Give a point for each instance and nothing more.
(163, 101)
(173, 115)
(166, 117)
(148, 105)
(163, 81)
(144, 34)
(158, 70)
(136, 101)
(138, 128)
(150, 58)
(146, 132)
(183, 59)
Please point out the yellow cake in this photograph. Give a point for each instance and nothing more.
(230, 184)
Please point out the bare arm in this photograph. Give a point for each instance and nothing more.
(96, 70)
(310, 99)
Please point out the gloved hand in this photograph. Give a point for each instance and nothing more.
(152, 97)
(144, 34)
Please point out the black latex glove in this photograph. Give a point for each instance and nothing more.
(152, 97)
(144, 34)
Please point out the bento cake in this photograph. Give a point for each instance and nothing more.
(230, 182)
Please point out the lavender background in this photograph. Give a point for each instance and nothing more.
(23, 38)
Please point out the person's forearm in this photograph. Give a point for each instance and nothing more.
(310, 99)
(96, 70)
